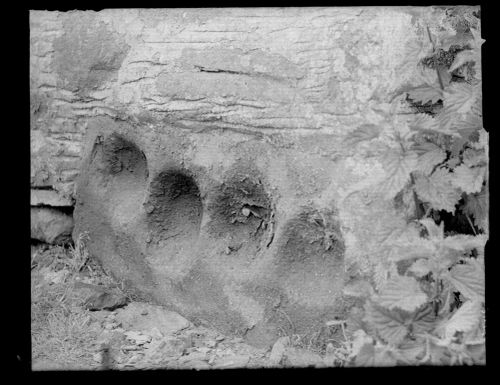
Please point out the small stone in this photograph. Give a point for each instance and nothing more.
(97, 297)
(155, 333)
(204, 350)
(232, 362)
(144, 312)
(220, 338)
(138, 338)
(278, 350)
(211, 343)
(237, 340)
(303, 358)
(50, 225)
(130, 347)
(167, 322)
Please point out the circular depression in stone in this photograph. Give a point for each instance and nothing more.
(117, 174)
(174, 207)
(309, 264)
(241, 213)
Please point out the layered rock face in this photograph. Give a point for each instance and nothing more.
(206, 151)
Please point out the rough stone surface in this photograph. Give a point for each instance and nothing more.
(49, 198)
(135, 317)
(206, 150)
(95, 297)
(50, 225)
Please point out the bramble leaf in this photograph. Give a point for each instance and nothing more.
(476, 206)
(424, 122)
(464, 319)
(398, 167)
(416, 50)
(437, 190)
(390, 325)
(464, 242)
(473, 157)
(447, 39)
(403, 293)
(365, 132)
(460, 97)
(410, 351)
(429, 155)
(420, 268)
(424, 94)
(469, 179)
(362, 348)
(424, 320)
(468, 279)
(463, 57)
(436, 232)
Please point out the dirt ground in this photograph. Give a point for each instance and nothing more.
(81, 319)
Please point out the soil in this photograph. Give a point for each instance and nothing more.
(130, 335)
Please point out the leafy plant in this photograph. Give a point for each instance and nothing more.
(429, 308)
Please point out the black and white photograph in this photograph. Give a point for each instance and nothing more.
(257, 188)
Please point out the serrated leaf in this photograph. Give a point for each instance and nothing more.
(437, 190)
(429, 155)
(424, 94)
(390, 325)
(384, 357)
(403, 293)
(460, 97)
(424, 321)
(398, 167)
(464, 57)
(464, 242)
(437, 354)
(362, 348)
(478, 353)
(420, 268)
(444, 75)
(448, 39)
(416, 50)
(470, 180)
(478, 41)
(365, 132)
(405, 202)
(473, 157)
(365, 356)
(476, 205)
(468, 279)
(464, 319)
(434, 230)
(424, 122)
(411, 351)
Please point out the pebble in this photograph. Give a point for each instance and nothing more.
(138, 338)
(232, 362)
(220, 338)
(130, 347)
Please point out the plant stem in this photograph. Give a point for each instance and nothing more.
(437, 70)
(471, 225)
